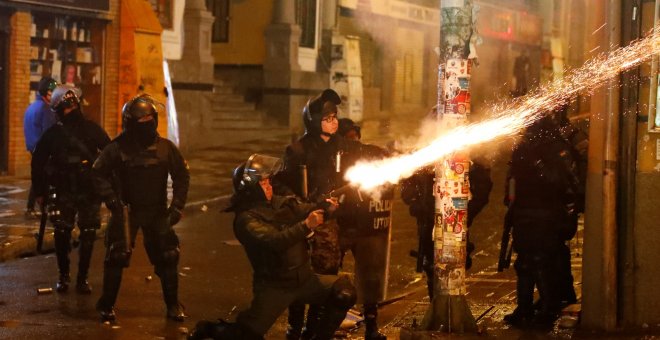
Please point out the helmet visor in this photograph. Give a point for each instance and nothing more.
(260, 167)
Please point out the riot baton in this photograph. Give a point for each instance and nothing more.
(42, 226)
(127, 228)
(44, 219)
(506, 247)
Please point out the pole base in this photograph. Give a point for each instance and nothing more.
(449, 313)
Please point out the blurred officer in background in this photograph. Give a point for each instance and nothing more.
(63, 159)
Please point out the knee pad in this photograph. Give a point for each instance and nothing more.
(87, 235)
(118, 256)
(343, 293)
(170, 257)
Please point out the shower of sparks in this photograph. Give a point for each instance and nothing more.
(508, 118)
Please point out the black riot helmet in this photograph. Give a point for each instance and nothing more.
(138, 110)
(318, 107)
(256, 168)
(64, 97)
(346, 125)
(46, 84)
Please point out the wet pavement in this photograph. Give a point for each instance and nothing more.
(491, 294)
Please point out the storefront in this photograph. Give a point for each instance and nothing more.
(71, 41)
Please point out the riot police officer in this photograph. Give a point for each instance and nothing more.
(140, 161)
(63, 159)
(364, 229)
(579, 142)
(543, 200)
(274, 231)
(313, 167)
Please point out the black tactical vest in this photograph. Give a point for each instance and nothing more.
(143, 175)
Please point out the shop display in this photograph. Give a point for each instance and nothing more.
(69, 49)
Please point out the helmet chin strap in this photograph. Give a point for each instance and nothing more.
(327, 134)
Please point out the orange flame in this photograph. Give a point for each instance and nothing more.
(507, 118)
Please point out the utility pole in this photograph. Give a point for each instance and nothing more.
(449, 310)
(600, 288)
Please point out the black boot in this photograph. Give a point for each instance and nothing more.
(329, 321)
(566, 291)
(312, 322)
(87, 238)
(111, 283)
(371, 325)
(523, 314)
(82, 285)
(62, 285)
(296, 320)
(169, 281)
(222, 330)
(519, 318)
(176, 312)
(549, 303)
(107, 313)
(62, 238)
(208, 329)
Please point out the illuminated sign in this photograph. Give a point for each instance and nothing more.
(509, 25)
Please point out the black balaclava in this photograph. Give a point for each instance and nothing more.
(145, 132)
(71, 117)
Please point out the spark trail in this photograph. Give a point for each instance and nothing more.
(507, 118)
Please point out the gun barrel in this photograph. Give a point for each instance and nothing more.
(342, 190)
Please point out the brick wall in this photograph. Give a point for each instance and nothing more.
(111, 89)
(19, 89)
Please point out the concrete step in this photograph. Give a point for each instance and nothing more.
(233, 106)
(236, 123)
(236, 119)
(227, 98)
(223, 89)
(236, 114)
(222, 136)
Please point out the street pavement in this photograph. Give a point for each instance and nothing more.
(224, 285)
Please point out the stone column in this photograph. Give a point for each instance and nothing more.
(192, 76)
(282, 40)
(286, 87)
(284, 12)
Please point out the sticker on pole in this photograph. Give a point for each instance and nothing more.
(456, 86)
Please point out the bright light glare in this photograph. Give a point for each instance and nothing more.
(507, 118)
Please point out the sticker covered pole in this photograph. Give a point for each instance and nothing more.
(449, 310)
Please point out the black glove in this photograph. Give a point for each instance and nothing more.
(175, 215)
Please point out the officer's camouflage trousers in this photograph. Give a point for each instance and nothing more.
(326, 251)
